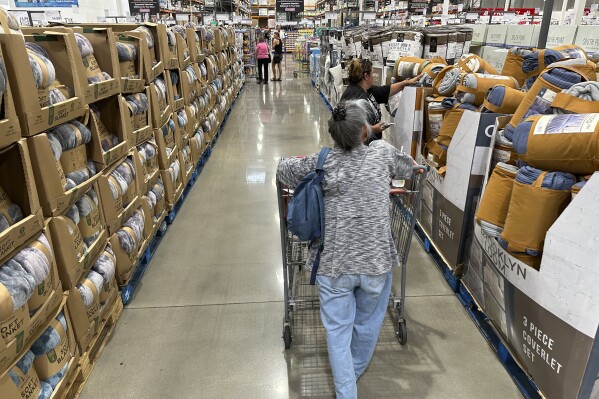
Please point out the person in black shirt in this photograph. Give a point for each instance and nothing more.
(360, 78)
(277, 45)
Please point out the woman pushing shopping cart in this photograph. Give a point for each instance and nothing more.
(367, 231)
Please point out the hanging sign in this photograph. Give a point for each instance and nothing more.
(290, 5)
(144, 7)
(47, 3)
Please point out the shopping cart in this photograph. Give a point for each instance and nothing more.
(297, 291)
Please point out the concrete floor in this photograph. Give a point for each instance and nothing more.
(206, 321)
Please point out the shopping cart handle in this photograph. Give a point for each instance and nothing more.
(420, 168)
(398, 191)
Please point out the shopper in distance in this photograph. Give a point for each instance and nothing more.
(361, 86)
(358, 251)
(277, 45)
(263, 56)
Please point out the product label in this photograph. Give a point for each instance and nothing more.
(74, 160)
(566, 123)
(541, 103)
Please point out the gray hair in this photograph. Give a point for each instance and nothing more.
(346, 129)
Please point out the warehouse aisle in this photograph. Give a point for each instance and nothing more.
(207, 319)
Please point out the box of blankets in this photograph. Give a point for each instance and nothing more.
(20, 211)
(138, 117)
(194, 42)
(183, 51)
(148, 159)
(10, 131)
(109, 123)
(43, 64)
(46, 366)
(30, 294)
(168, 44)
(156, 198)
(130, 241)
(160, 103)
(62, 165)
(187, 164)
(172, 178)
(166, 139)
(78, 236)
(532, 264)
(130, 50)
(93, 295)
(174, 89)
(96, 63)
(120, 187)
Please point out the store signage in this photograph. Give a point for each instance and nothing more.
(418, 6)
(369, 16)
(144, 7)
(222, 17)
(47, 3)
(290, 5)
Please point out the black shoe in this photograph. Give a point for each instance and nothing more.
(265, 82)
(259, 81)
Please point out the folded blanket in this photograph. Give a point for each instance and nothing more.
(473, 87)
(137, 103)
(86, 49)
(126, 51)
(535, 61)
(577, 187)
(13, 23)
(447, 80)
(131, 233)
(581, 98)
(502, 99)
(147, 152)
(24, 365)
(107, 139)
(203, 71)
(174, 172)
(180, 30)
(148, 34)
(472, 63)
(87, 295)
(182, 119)
(120, 179)
(538, 199)
(85, 46)
(89, 226)
(105, 266)
(564, 141)
(494, 204)
(409, 67)
(10, 213)
(44, 74)
(160, 90)
(71, 135)
(3, 79)
(197, 140)
(171, 39)
(207, 34)
(560, 76)
(47, 343)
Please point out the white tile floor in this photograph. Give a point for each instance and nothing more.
(206, 321)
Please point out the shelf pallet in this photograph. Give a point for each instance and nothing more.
(128, 290)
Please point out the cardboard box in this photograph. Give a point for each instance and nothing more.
(70, 267)
(10, 131)
(132, 72)
(450, 200)
(522, 36)
(116, 211)
(587, 37)
(125, 263)
(496, 57)
(159, 212)
(196, 49)
(160, 110)
(152, 57)
(149, 167)
(409, 117)
(479, 34)
(139, 128)
(16, 179)
(166, 137)
(561, 34)
(182, 51)
(187, 165)
(113, 119)
(34, 113)
(173, 190)
(86, 321)
(170, 56)
(30, 383)
(105, 54)
(218, 40)
(547, 317)
(496, 35)
(53, 198)
(190, 90)
(19, 331)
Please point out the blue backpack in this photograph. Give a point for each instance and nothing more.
(305, 214)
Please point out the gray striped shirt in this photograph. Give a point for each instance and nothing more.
(358, 236)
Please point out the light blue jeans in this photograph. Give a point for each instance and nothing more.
(352, 309)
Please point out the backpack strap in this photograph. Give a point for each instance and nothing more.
(321, 158)
(320, 171)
